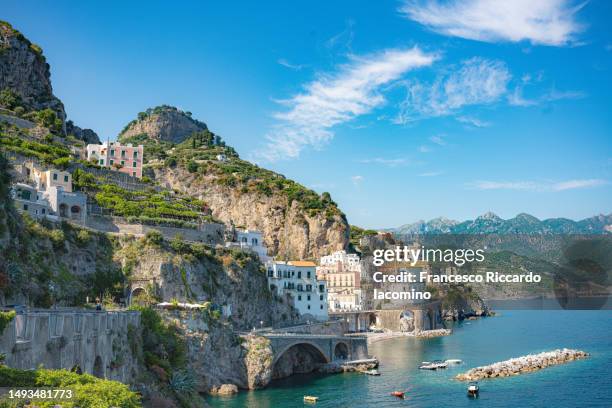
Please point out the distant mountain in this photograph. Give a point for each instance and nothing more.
(491, 223)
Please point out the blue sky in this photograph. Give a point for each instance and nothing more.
(402, 110)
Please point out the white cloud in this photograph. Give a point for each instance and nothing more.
(337, 98)
(438, 140)
(386, 162)
(424, 149)
(431, 174)
(287, 64)
(541, 22)
(476, 81)
(536, 186)
(516, 98)
(356, 180)
(470, 120)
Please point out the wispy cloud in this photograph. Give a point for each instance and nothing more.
(438, 140)
(356, 180)
(424, 149)
(431, 174)
(472, 121)
(541, 22)
(475, 81)
(537, 186)
(287, 64)
(516, 98)
(337, 98)
(386, 162)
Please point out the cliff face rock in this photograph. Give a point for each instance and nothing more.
(459, 303)
(258, 362)
(86, 135)
(24, 71)
(288, 230)
(163, 123)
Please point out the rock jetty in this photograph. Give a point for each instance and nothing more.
(522, 365)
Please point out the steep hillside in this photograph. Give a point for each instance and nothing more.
(296, 221)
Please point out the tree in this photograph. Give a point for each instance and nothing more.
(192, 166)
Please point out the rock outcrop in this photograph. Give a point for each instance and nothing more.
(163, 123)
(86, 135)
(25, 72)
(522, 365)
(288, 230)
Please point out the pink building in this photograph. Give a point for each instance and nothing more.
(124, 158)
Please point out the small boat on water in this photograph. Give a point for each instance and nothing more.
(473, 389)
(453, 361)
(434, 365)
(372, 372)
(310, 398)
(398, 394)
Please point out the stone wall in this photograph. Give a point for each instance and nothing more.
(96, 342)
(210, 233)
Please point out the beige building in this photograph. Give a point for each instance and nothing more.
(342, 272)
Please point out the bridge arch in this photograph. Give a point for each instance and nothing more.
(306, 345)
(341, 351)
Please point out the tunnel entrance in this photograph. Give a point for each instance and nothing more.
(98, 368)
(300, 358)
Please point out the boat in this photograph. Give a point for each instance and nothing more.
(310, 398)
(434, 365)
(398, 394)
(473, 389)
(453, 361)
(372, 372)
(439, 364)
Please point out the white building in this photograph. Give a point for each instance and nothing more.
(343, 273)
(298, 279)
(252, 241)
(52, 197)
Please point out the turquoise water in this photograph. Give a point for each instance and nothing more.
(586, 383)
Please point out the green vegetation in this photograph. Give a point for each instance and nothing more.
(16, 140)
(89, 391)
(357, 233)
(158, 110)
(46, 118)
(5, 319)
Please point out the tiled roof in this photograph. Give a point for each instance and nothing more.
(301, 263)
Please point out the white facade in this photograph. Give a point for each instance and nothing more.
(252, 241)
(343, 273)
(53, 203)
(350, 262)
(299, 280)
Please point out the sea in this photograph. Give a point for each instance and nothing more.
(511, 333)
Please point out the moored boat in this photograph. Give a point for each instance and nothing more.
(398, 394)
(473, 389)
(453, 361)
(310, 398)
(372, 372)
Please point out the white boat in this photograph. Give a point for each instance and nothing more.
(440, 364)
(372, 372)
(473, 389)
(434, 365)
(453, 361)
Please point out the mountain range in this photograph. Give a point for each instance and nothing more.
(491, 223)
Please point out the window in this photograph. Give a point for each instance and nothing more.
(123, 153)
(299, 297)
(101, 161)
(320, 297)
(135, 154)
(65, 179)
(270, 273)
(308, 274)
(321, 288)
(113, 152)
(308, 297)
(321, 307)
(25, 207)
(43, 210)
(55, 175)
(122, 163)
(111, 162)
(299, 274)
(308, 307)
(133, 164)
(134, 174)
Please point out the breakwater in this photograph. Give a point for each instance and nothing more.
(522, 365)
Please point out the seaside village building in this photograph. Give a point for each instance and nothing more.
(124, 158)
(342, 272)
(248, 240)
(48, 194)
(299, 280)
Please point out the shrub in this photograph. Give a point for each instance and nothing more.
(170, 162)
(5, 319)
(154, 238)
(192, 166)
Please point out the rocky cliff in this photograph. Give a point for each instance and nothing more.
(86, 135)
(163, 123)
(25, 72)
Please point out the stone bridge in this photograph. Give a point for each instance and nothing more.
(327, 348)
(421, 316)
(91, 342)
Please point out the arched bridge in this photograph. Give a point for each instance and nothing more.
(326, 348)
